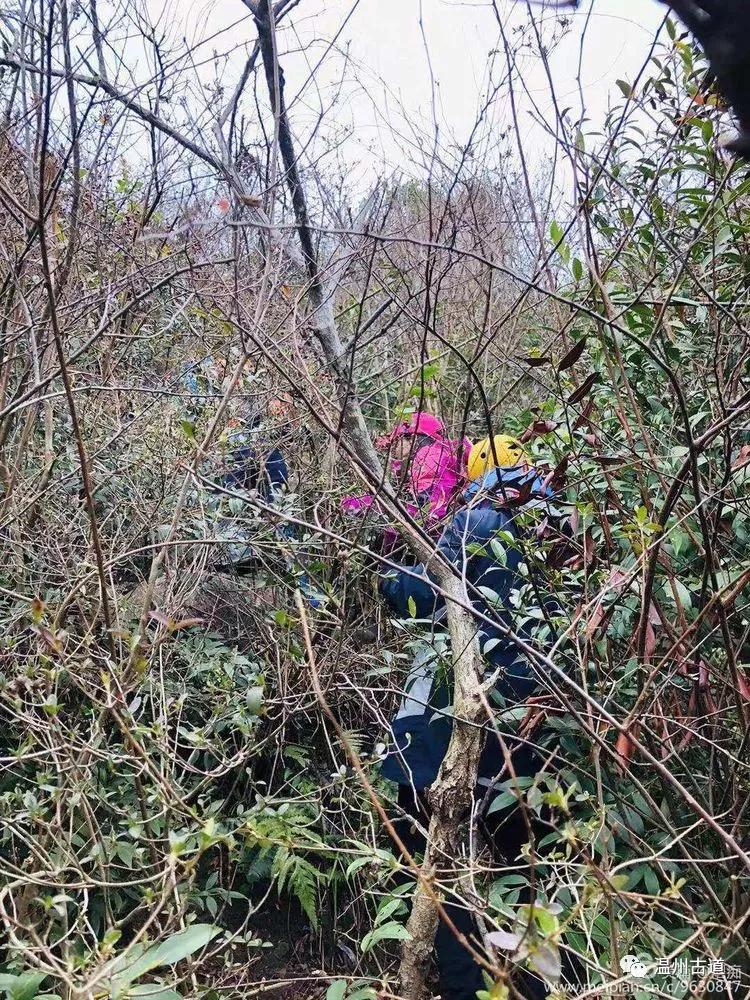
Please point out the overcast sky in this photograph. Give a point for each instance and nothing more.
(394, 55)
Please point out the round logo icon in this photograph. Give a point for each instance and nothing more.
(633, 966)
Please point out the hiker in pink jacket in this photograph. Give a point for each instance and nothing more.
(436, 470)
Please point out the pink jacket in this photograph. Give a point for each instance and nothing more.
(436, 475)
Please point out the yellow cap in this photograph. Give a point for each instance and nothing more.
(483, 456)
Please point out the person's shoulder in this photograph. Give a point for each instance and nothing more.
(479, 520)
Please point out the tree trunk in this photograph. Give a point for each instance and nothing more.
(451, 794)
(450, 797)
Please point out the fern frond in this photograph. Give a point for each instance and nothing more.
(304, 879)
(301, 879)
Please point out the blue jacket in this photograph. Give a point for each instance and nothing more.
(245, 472)
(483, 536)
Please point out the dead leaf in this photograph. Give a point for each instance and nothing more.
(609, 460)
(187, 623)
(624, 748)
(557, 479)
(572, 356)
(703, 676)
(583, 417)
(592, 625)
(537, 428)
(583, 389)
(50, 639)
(536, 362)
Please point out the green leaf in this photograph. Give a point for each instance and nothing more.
(502, 801)
(498, 550)
(651, 881)
(625, 88)
(546, 922)
(577, 268)
(490, 595)
(188, 429)
(174, 949)
(337, 990)
(684, 596)
(412, 606)
(680, 540)
(50, 706)
(180, 945)
(356, 865)
(388, 909)
(556, 232)
(254, 700)
(388, 932)
(23, 987)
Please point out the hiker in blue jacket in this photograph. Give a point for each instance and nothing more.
(486, 540)
(248, 469)
(245, 471)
